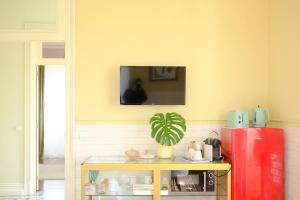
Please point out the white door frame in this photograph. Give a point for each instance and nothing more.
(35, 140)
(34, 49)
(67, 15)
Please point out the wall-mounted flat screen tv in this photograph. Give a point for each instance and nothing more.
(152, 85)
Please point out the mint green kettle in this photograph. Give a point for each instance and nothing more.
(260, 117)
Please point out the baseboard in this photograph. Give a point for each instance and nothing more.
(11, 189)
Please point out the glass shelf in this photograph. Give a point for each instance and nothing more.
(202, 197)
(123, 191)
(172, 194)
(124, 160)
(118, 198)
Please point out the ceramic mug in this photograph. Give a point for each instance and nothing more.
(197, 155)
(194, 145)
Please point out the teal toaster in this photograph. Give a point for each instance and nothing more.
(237, 119)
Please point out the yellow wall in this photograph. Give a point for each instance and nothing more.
(11, 112)
(284, 98)
(224, 45)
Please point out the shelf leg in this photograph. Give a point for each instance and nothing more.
(229, 185)
(156, 182)
(218, 188)
(83, 175)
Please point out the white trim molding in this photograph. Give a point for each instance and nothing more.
(70, 173)
(11, 189)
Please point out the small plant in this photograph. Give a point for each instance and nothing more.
(168, 129)
(93, 174)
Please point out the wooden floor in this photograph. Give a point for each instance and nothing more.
(49, 190)
(52, 169)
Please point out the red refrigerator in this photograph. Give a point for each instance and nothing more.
(257, 161)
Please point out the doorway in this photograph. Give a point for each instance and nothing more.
(51, 120)
(51, 129)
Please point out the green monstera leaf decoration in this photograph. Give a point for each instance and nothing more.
(167, 129)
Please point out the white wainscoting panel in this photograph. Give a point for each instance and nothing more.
(104, 140)
(292, 163)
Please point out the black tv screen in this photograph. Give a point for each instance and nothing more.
(152, 85)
